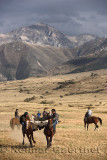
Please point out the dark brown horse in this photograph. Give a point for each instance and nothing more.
(49, 132)
(93, 119)
(29, 132)
(13, 122)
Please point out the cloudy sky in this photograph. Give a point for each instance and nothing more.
(72, 17)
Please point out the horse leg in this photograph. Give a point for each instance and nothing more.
(18, 126)
(87, 126)
(50, 140)
(29, 138)
(23, 139)
(33, 137)
(23, 132)
(47, 138)
(96, 126)
(11, 124)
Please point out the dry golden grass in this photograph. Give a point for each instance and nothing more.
(71, 101)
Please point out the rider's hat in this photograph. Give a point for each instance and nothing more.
(53, 110)
(26, 113)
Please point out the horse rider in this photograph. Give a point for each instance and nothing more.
(16, 113)
(44, 114)
(38, 115)
(55, 118)
(88, 113)
(23, 120)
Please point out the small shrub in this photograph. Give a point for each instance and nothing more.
(66, 94)
(28, 92)
(64, 84)
(46, 92)
(30, 99)
(21, 90)
(41, 97)
(90, 105)
(44, 102)
(69, 105)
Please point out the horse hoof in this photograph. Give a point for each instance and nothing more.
(32, 146)
(48, 146)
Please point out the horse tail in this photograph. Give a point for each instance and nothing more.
(100, 120)
(11, 123)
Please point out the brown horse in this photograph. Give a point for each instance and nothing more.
(28, 131)
(93, 119)
(49, 132)
(13, 122)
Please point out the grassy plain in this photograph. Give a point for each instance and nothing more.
(70, 95)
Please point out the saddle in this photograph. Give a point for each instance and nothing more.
(86, 118)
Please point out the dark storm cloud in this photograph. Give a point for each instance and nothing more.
(69, 16)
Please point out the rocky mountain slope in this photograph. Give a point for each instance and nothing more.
(81, 39)
(40, 50)
(43, 34)
(19, 60)
(38, 33)
(88, 57)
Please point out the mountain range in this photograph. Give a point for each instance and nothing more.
(41, 50)
(88, 57)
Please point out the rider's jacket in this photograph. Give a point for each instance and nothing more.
(23, 118)
(16, 114)
(55, 117)
(88, 113)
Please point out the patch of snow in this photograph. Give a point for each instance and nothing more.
(38, 32)
(24, 38)
(105, 48)
(39, 63)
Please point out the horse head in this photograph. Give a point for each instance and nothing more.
(50, 122)
(28, 124)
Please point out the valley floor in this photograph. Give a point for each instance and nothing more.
(70, 95)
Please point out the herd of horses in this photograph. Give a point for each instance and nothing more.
(48, 128)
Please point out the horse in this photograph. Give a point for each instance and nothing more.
(15, 121)
(93, 119)
(49, 132)
(28, 131)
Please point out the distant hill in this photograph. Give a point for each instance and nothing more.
(88, 57)
(19, 60)
(81, 39)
